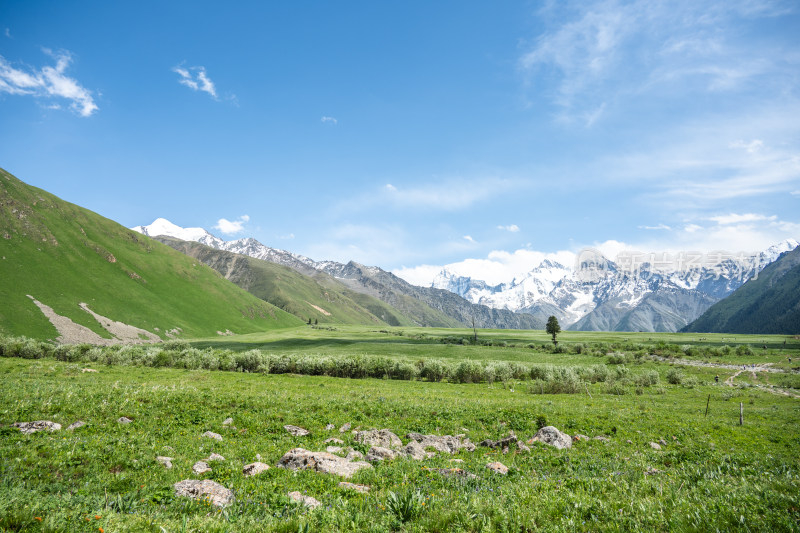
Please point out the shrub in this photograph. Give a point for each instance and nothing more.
(433, 370)
(647, 378)
(674, 376)
(617, 359)
(468, 372)
(744, 349)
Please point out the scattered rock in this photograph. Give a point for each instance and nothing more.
(212, 435)
(652, 472)
(215, 457)
(602, 438)
(662, 442)
(363, 489)
(379, 437)
(415, 450)
(655, 445)
(124, 420)
(75, 425)
(522, 447)
(457, 461)
(196, 489)
(345, 428)
(552, 437)
(578, 437)
(354, 455)
(166, 461)
(629, 441)
(227, 422)
(254, 468)
(88, 370)
(378, 453)
(297, 431)
(308, 501)
(329, 427)
(502, 443)
(38, 425)
(300, 459)
(333, 440)
(498, 468)
(445, 443)
(201, 467)
(334, 449)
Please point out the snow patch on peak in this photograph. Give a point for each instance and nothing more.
(162, 226)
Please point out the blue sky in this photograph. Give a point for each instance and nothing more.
(413, 134)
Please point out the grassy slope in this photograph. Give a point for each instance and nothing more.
(714, 475)
(292, 291)
(768, 304)
(63, 254)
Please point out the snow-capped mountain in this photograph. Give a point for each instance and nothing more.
(641, 292)
(162, 226)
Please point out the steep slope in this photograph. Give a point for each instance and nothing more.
(768, 304)
(318, 297)
(63, 255)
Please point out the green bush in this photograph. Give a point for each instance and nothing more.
(674, 376)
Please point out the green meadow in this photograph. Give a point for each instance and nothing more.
(711, 473)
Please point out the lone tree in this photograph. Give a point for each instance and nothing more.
(553, 328)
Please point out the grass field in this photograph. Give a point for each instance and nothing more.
(712, 475)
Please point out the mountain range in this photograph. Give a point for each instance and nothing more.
(423, 306)
(662, 293)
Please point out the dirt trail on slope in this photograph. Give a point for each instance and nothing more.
(68, 331)
(122, 331)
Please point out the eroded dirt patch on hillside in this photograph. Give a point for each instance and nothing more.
(69, 332)
(124, 332)
(321, 310)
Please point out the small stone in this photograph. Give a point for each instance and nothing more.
(505, 450)
(258, 457)
(655, 445)
(379, 437)
(414, 450)
(662, 442)
(200, 467)
(254, 468)
(354, 455)
(602, 438)
(345, 428)
(629, 441)
(212, 435)
(218, 495)
(498, 468)
(334, 449)
(522, 447)
(329, 427)
(578, 437)
(215, 457)
(308, 501)
(124, 420)
(296, 431)
(227, 422)
(88, 370)
(459, 461)
(333, 440)
(652, 471)
(378, 453)
(75, 425)
(363, 489)
(552, 437)
(300, 459)
(166, 461)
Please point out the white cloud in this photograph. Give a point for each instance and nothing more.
(468, 238)
(8, 33)
(330, 120)
(229, 227)
(795, 193)
(48, 82)
(734, 218)
(658, 227)
(750, 147)
(196, 79)
(513, 228)
(692, 228)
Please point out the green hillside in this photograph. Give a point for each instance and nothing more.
(62, 255)
(320, 297)
(768, 304)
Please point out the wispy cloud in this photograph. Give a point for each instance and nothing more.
(449, 195)
(329, 120)
(468, 238)
(594, 52)
(734, 218)
(47, 82)
(655, 228)
(196, 79)
(8, 33)
(232, 227)
(513, 228)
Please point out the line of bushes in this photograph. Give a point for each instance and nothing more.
(545, 378)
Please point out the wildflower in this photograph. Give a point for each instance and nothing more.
(97, 517)
(39, 518)
(100, 529)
